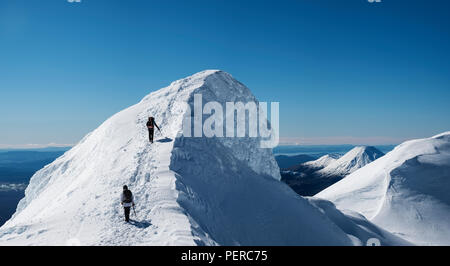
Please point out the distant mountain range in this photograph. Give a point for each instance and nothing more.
(351, 161)
(311, 177)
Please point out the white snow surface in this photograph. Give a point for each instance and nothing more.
(189, 191)
(323, 161)
(405, 192)
(351, 161)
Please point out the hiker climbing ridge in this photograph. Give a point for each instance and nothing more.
(151, 124)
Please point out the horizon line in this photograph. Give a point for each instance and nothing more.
(343, 140)
(34, 146)
(284, 141)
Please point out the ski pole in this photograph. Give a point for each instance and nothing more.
(134, 210)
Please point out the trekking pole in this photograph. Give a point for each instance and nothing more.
(134, 210)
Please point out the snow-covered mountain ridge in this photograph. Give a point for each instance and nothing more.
(189, 191)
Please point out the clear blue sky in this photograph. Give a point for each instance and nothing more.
(340, 69)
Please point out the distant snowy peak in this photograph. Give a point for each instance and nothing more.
(310, 178)
(323, 161)
(352, 161)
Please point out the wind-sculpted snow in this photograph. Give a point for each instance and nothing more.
(189, 191)
(405, 191)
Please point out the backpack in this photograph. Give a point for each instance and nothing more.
(150, 123)
(127, 196)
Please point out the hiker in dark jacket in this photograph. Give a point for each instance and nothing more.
(151, 124)
(127, 202)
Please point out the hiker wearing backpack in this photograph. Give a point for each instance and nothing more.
(151, 124)
(127, 202)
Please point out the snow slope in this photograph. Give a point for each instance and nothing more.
(351, 161)
(322, 162)
(189, 191)
(406, 191)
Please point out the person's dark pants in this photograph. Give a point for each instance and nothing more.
(127, 213)
(150, 134)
